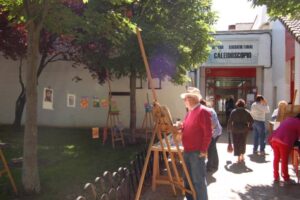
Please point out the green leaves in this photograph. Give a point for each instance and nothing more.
(280, 8)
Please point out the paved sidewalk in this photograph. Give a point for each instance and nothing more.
(250, 181)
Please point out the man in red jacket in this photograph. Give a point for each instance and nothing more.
(196, 136)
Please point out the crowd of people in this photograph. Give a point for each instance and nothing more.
(201, 129)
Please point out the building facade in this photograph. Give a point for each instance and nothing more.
(240, 66)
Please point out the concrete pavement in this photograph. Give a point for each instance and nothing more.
(250, 181)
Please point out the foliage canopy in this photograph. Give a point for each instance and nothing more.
(280, 8)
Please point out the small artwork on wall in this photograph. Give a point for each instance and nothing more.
(71, 100)
(104, 103)
(48, 99)
(84, 102)
(96, 102)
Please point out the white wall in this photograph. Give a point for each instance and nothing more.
(58, 76)
(9, 89)
(279, 66)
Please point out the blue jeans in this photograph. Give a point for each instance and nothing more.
(196, 168)
(259, 133)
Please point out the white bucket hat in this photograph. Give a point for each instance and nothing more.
(192, 91)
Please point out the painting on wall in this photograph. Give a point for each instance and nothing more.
(104, 103)
(96, 102)
(48, 99)
(84, 102)
(71, 100)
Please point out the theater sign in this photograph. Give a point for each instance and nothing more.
(234, 52)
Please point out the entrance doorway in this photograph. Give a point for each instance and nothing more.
(221, 84)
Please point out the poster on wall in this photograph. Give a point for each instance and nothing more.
(71, 100)
(104, 103)
(84, 102)
(48, 99)
(96, 102)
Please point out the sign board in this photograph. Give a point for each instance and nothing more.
(234, 52)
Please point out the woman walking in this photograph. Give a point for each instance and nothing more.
(240, 120)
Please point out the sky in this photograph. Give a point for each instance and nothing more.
(232, 12)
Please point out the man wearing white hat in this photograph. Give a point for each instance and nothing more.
(196, 136)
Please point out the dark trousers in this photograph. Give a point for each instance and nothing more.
(212, 157)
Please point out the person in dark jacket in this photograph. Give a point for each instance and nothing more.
(239, 123)
(229, 106)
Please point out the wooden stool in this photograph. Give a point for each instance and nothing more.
(148, 123)
(116, 132)
(156, 177)
(6, 169)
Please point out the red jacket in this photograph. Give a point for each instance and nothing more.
(197, 130)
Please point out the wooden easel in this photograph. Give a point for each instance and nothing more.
(6, 169)
(116, 134)
(162, 127)
(112, 122)
(147, 124)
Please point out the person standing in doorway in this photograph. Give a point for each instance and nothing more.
(212, 163)
(229, 106)
(196, 136)
(258, 111)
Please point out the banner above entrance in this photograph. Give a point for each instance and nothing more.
(234, 52)
(230, 72)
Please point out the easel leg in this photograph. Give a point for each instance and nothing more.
(139, 190)
(155, 169)
(112, 129)
(8, 172)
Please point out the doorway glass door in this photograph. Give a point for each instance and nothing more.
(218, 89)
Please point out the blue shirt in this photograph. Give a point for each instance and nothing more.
(217, 128)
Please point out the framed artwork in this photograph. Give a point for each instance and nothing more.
(96, 102)
(48, 99)
(71, 100)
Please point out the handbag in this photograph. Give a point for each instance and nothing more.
(229, 146)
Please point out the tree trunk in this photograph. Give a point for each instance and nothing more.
(19, 108)
(133, 106)
(20, 103)
(30, 174)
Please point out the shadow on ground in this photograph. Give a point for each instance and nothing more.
(267, 192)
(237, 168)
